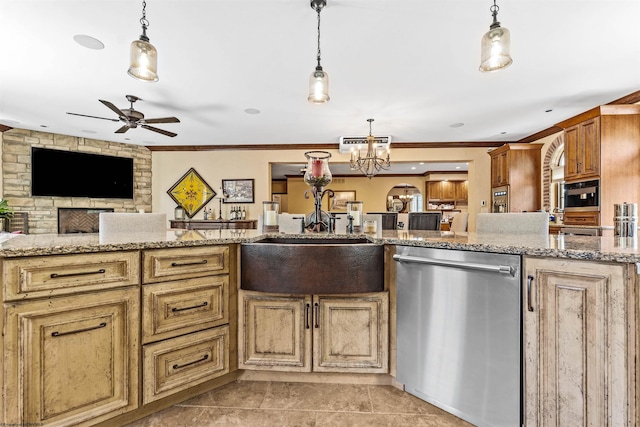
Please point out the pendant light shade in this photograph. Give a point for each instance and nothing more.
(496, 45)
(319, 86)
(143, 56)
(319, 80)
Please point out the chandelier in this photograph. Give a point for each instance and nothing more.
(372, 162)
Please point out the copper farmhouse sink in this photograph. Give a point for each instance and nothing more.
(312, 266)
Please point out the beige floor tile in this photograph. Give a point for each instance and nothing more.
(174, 416)
(318, 397)
(390, 400)
(243, 394)
(346, 419)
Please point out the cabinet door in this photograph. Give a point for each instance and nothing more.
(500, 169)
(571, 153)
(590, 140)
(435, 190)
(351, 333)
(462, 191)
(577, 364)
(71, 359)
(448, 190)
(274, 332)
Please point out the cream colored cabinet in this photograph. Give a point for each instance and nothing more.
(579, 354)
(71, 360)
(321, 333)
(185, 318)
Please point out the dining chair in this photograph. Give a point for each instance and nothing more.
(424, 220)
(460, 221)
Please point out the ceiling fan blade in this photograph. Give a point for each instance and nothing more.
(162, 131)
(94, 117)
(114, 109)
(123, 129)
(163, 120)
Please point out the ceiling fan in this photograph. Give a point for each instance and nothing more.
(133, 118)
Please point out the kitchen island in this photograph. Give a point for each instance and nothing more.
(579, 306)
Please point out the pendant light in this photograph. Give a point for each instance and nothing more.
(319, 80)
(495, 45)
(144, 57)
(372, 162)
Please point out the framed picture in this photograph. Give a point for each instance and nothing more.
(191, 192)
(237, 190)
(340, 199)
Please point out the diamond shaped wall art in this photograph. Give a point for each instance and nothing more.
(191, 192)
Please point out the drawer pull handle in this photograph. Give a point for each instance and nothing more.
(176, 309)
(82, 273)
(59, 334)
(184, 264)
(307, 309)
(316, 315)
(202, 359)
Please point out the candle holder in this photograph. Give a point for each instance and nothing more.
(355, 210)
(318, 176)
(270, 216)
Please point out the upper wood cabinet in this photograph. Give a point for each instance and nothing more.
(604, 143)
(582, 150)
(518, 166)
(461, 191)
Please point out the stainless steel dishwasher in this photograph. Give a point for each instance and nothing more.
(459, 332)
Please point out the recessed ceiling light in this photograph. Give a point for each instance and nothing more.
(548, 111)
(413, 167)
(43, 126)
(88, 42)
(457, 167)
(503, 133)
(88, 131)
(252, 111)
(421, 163)
(456, 125)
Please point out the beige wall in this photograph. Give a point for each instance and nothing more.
(214, 166)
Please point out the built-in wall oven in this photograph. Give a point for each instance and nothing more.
(583, 196)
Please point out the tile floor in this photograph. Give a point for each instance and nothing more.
(253, 403)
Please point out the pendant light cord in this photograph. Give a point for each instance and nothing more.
(318, 9)
(143, 21)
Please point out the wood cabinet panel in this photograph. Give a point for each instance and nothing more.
(339, 333)
(45, 276)
(577, 350)
(180, 363)
(179, 263)
(461, 191)
(183, 306)
(71, 359)
(275, 332)
(519, 167)
(352, 333)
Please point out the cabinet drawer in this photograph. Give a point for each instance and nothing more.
(180, 363)
(160, 265)
(581, 218)
(179, 307)
(45, 276)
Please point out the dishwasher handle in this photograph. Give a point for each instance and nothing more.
(501, 269)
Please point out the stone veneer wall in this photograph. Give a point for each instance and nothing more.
(43, 211)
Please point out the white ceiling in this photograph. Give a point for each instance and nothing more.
(410, 64)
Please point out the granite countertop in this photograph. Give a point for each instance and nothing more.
(606, 248)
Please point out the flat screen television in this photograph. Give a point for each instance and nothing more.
(74, 174)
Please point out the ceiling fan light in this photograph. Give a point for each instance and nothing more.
(495, 49)
(144, 61)
(319, 86)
